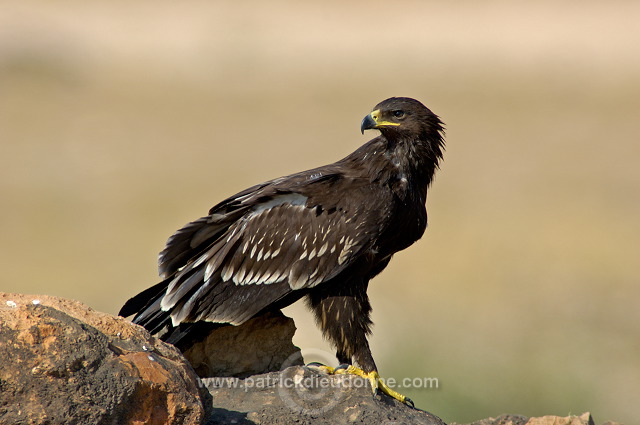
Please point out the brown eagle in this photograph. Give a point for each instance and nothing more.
(320, 234)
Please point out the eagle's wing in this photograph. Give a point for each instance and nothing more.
(256, 248)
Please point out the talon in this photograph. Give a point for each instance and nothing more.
(323, 368)
(377, 384)
(382, 387)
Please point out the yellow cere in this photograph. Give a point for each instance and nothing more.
(376, 117)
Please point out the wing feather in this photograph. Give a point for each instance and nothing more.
(277, 241)
(298, 241)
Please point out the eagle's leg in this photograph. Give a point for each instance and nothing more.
(344, 317)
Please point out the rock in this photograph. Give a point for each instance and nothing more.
(584, 419)
(303, 395)
(262, 344)
(63, 362)
(500, 420)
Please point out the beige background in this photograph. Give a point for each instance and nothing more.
(120, 122)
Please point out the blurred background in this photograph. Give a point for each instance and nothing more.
(121, 121)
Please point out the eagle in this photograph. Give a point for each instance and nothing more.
(320, 234)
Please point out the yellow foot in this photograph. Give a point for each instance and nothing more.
(377, 383)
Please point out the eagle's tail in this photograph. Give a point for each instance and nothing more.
(146, 308)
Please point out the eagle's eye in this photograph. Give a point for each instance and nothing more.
(398, 114)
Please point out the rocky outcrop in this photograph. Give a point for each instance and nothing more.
(63, 362)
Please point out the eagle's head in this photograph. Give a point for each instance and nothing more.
(403, 117)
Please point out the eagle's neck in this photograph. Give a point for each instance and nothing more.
(415, 159)
(403, 163)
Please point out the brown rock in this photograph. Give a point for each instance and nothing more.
(63, 362)
(584, 419)
(261, 345)
(501, 420)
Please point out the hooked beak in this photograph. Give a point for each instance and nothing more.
(373, 120)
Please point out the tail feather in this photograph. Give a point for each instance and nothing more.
(146, 308)
(144, 299)
(185, 335)
(149, 314)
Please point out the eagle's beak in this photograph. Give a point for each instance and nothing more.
(367, 123)
(373, 120)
